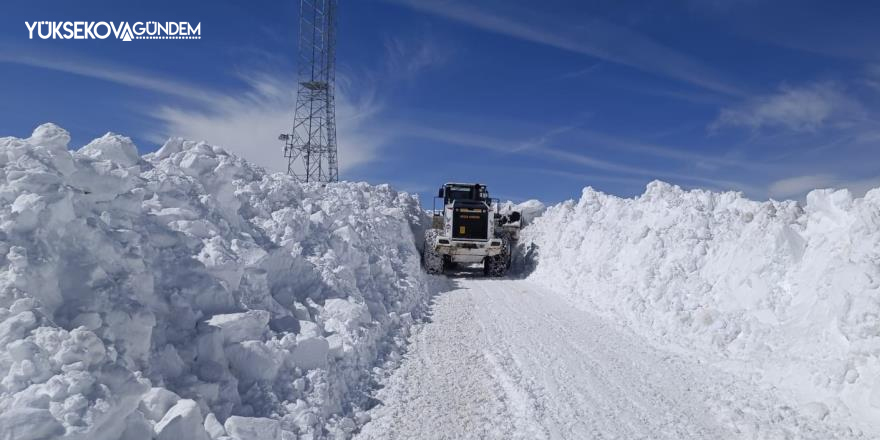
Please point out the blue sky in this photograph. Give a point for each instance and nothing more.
(537, 99)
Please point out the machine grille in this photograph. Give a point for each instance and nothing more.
(470, 222)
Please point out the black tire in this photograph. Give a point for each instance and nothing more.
(448, 264)
(431, 259)
(496, 265)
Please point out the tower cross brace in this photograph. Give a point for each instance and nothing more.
(310, 147)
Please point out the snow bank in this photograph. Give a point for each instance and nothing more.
(159, 296)
(530, 209)
(788, 294)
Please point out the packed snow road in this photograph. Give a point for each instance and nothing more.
(510, 359)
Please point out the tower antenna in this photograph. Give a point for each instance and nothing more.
(310, 147)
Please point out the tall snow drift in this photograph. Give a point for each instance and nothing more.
(787, 293)
(157, 296)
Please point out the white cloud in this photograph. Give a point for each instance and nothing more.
(868, 137)
(105, 71)
(594, 37)
(674, 177)
(540, 148)
(409, 57)
(248, 123)
(799, 186)
(860, 186)
(582, 72)
(802, 109)
(704, 161)
(872, 76)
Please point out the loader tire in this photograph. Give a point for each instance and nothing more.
(496, 265)
(431, 259)
(448, 264)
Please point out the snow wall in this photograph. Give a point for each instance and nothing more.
(188, 294)
(787, 294)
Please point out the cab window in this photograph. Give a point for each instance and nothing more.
(466, 192)
(456, 192)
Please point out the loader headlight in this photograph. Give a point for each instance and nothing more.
(495, 243)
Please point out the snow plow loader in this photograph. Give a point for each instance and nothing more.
(469, 229)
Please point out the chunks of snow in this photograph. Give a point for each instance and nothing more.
(28, 424)
(16, 326)
(253, 428)
(182, 421)
(343, 316)
(117, 149)
(127, 281)
(815, 410)
(310, 352)
(50, 135)
(254, 360)
(238, 327)
(137, 427)
(284, 324)
(213, 427)
(156, 402)
(530, 209)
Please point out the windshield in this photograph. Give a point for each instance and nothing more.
(466, 192)
(459, 193)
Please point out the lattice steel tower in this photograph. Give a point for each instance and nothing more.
(310, 148)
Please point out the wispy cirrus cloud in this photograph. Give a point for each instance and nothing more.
(680, 154)
(107, 71)
(653, 173)
(801, 109)
(544, 147)
(581, 72)
(596, 37)
(872, 76)
(408, 57)
(799, 186)
(245, 121)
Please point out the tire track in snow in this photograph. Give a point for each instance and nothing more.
(544, 387)
(506, 359)
(444, 388)
(580, 376)
(592, 374)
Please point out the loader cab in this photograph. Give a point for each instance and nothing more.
(463, 196)
(463, 192)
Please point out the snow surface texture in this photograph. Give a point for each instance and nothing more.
(530, 209)
(786, 295)
(509, 359)
(188, 294)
